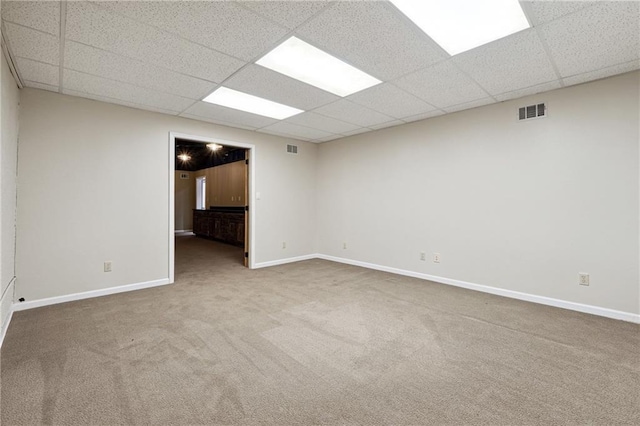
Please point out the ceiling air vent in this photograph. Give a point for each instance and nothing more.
(292, 149)
(532, 111)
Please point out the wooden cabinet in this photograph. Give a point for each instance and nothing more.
(226, 185)
(225, 225)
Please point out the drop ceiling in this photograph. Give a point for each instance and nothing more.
(166, 56)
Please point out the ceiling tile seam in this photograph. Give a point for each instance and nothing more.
(521, 89)
(273, 21)
(30, 28)
(131, 84)
(102, 97)
(112, 12)
(38, 82)
(218, 122)
(633, 61)
(283, 134)
(128, 84)
(325, 116)
(61, 43)
(35, 60)
(595, 3)
(347, 100)
(407, 93)
(131, 58)
(474, 80)
(10, 57)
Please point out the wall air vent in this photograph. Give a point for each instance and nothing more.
(292, 149)
(532, 111)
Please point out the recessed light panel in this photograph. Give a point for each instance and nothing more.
(461, 25)
(302, 61)
(244, 102)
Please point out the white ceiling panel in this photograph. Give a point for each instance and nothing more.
(263, 82)
(80, 82)
(356, 132)
(602, 73)
(390, 100)
(528, 91)
(442, 85)
(372, 36)
(294, 131)
(222, 25)
(31, 44)
(423, 116)
(321, 122)
(389, 124)
(289, 14)
(42, 86)
(116, 101)
(509, 63)
(594, 38)
(42, 15)
(469, 105)
(99, 62)
(328, 138)
(38, 71)
(229, 115)
(221, 122)
(541, 12)
(353, 113)
(94, 26)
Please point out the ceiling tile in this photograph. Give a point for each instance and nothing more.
(32, 44)
(602, 73)
(423, 116)
(321, 122)
(372, 36)
(98, 86)
(545, 87)
(509, 63)
(116, 101)
(263, 82)
(594, 38)
(353, 113)
(228, 115)
(541, 12)
(98, 62)
(38, 71)
(469, 105)
(97, 27)
(221, 122)
(328, 138)
(356, 132)
(41, 15)
(293, 130)
(221, 25)
(287, 13)
(441, 85)
(36, 85)
(388, 124)
(390, 100)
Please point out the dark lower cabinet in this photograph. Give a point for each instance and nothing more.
(224, 226)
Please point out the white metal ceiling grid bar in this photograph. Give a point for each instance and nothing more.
(11, 58)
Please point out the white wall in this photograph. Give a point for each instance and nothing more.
(523, 206)
(93, 182)
(8, 157)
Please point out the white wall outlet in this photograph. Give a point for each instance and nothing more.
(423, 256)
(284, 245)
(583, 278)
(344, 246)
(436, 257)
(107, 266)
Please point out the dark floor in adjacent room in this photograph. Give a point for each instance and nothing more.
(314, 342)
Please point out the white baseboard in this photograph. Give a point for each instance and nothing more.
(5, 326)
(284, 261)
(6, 300)
(21, 306)
(579, 307)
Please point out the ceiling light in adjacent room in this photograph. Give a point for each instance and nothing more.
(184, 157)
(461, 25)
(244, 102)
(302, 61)
(214, 146)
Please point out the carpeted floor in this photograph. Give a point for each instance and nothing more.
(314, 342)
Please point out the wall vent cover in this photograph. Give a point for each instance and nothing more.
(532, 111)
(292, 149)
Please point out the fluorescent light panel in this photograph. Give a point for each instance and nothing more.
(302, 61)
(461, 25)
(244, 102)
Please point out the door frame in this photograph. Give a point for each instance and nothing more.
(250, 182)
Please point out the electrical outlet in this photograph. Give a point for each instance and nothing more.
(284, 245)
(436, 257)
(583, 278)
(423, 256)
(107, 266)
(344, 246)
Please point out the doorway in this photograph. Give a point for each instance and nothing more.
(224, 217)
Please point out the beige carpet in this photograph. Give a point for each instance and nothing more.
(314, 342)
